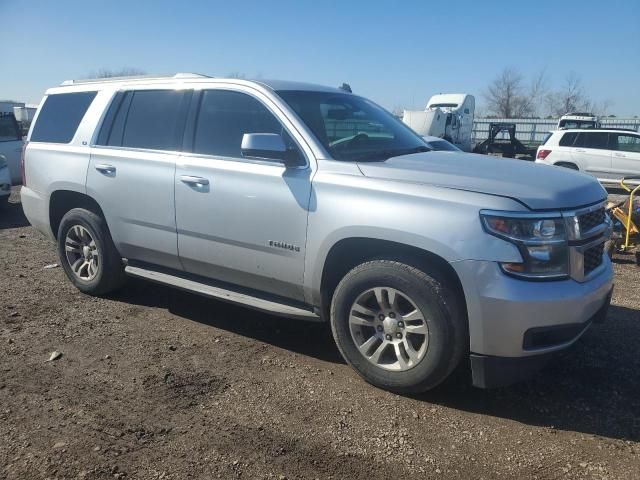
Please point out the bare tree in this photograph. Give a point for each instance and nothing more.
(506, 96)
(570, 98)
(122, 72)
(538, 91)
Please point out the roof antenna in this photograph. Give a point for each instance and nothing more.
(346, 87)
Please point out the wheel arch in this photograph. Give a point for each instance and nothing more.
(61, 201)
(347, 253)
(567, 164)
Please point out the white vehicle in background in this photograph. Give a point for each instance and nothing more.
(11, 145)
(5, 182)
(448, 116)
(609, 154)
(578, 120)
(440, 144)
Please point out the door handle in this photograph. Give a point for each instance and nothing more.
(621, 155)
(191, 180)
(579, 150)
(106, 169)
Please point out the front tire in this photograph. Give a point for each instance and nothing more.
(399, 327)
(87, 253)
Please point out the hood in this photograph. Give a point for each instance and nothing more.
(539, 187)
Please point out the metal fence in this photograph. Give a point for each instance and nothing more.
(532, 131)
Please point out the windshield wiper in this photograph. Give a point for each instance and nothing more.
(382, 155)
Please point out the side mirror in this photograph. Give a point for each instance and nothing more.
(269, 146)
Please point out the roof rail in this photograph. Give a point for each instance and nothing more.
(133, 78)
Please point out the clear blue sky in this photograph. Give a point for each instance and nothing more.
(397, 53)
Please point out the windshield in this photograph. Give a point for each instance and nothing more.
(352, 128)
(569, 124)
(443, 105)
(442, 145)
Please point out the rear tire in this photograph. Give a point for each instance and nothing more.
(87, 253)
(422, 302)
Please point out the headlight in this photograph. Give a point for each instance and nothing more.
(542, 242)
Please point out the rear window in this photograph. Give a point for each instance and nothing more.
(9, 130)
(60, 116)
(150, 119)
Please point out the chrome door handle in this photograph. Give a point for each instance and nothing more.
(579, 150)
(106, 169)
(621, 155)
(191, 180)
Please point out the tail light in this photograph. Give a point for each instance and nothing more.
(22, 155)
(542, 154)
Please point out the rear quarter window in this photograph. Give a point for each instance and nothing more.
(60, 116)
(568, 139)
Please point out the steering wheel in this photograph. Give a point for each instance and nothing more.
(358, 139)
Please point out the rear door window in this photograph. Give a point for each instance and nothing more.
(597, 140)
(148, 119)
(60, 116)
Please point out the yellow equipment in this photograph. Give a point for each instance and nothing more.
(628, 214)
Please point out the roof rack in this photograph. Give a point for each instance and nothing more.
(133, 78)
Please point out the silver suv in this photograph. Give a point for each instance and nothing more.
(314, 203)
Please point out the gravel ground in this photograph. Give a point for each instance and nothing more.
(155, 383)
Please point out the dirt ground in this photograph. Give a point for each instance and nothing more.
(154, 383)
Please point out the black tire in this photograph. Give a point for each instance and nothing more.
(442, 310)
(610, 247)
(110, 274)
(4, 202)
(570, 166)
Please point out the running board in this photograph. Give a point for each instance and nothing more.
(268, 306)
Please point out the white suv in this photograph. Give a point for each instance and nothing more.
(607, 154)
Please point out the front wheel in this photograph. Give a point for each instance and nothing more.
(401, 328)
(87, 253)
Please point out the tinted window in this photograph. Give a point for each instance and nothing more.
(223, 119)
(626, 143)
(60, 116)
(154, 119)
(568, 139)
(9, 130)
(598, 140)
(351, 127)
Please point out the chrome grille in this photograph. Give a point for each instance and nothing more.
(593, 258)
(590, 220)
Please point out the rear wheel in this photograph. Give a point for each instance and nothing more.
(401, 328)
(87, 253)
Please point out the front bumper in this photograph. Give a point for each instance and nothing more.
(490, 372)
(501, 309)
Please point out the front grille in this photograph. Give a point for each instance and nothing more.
(593, 258)
(590, 220)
